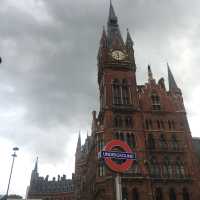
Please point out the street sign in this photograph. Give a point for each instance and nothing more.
(126, 154)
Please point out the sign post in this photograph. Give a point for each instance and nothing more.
(118, 187)
(108, 154)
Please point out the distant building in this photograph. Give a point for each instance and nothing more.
(42, 188)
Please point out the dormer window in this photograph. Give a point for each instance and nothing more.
(155, 100)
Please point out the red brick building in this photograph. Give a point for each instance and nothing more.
(149, 117)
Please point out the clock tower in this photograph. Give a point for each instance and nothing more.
(149, 118)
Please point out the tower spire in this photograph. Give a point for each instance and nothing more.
(113, 32)
(129, 41)
(150, 74)
(172, 83)
(36, 165)
(78, 147)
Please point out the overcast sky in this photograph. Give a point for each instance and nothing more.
(48, 85)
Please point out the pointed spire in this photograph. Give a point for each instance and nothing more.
(113, 32)
(112, 16)
(78, 148)
(172, 83)
(36, 165)
(150, 74)
(129, 41)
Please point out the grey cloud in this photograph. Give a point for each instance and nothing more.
(51, 65)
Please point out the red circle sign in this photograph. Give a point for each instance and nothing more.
(113, 165)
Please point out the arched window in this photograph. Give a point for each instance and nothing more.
(128, 122)
(125, 92)
(155, 101)
(154, 168)
(162, 124)
(158, 194)
(131, 140)
(150, 124)
(136, 168)
(101, 169)
(173, 125)
(117, 136)
(169, 125)
(162, 142)
(122, 136)
(186, 195)
(116, 92)
(124, 194)
(118, 122)
(147, 124)
(136, 194)
(179, 168)
(175, 145)
(167, 168)
(172, 194)
(158, 124)
(151, 142)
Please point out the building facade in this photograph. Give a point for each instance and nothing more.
(45, 189)
(149, 117)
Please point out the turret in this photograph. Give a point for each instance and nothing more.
(173, 88)
(129, 41)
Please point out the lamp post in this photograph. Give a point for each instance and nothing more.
(14, 155)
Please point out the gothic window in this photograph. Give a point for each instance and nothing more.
(162, 142)
(128, 122)
(172, 194)
(117, 136)
(118, 122)
(135, 194)
(122, 136)
(169, 125)
(173, 125)
(151, 142)
(124, 194)
(174, 142)
(162, 124)
(186, 195)
(132, 141)
(158, 194)
(167, 167)
(136, 168)
(179, 168)
(130, 137)
(125, 92)
(158, 124)
(101, 167)
(116, 92)
(155, 102)
(148, 124)
(154, 168)
(100, 143)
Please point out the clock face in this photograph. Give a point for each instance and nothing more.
(118, 55)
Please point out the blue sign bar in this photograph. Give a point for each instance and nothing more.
(117, 154)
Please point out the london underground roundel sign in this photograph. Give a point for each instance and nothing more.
(108, 154)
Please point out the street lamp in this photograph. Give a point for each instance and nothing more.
(14, 155)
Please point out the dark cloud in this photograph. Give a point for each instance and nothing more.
(49, 75)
